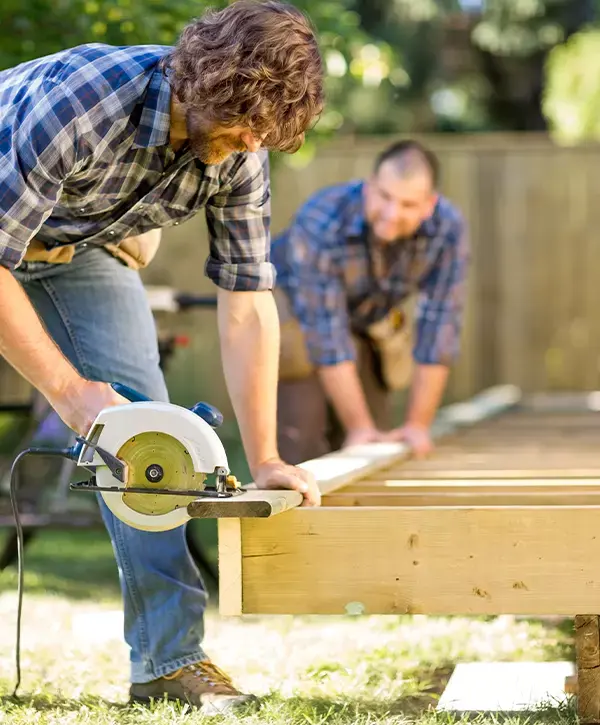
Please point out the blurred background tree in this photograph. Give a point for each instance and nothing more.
(392, 65)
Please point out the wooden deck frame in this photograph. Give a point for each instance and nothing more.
(519, 540)
(342, 467)
(331, 471)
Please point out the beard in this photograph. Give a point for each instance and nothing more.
(208, 146)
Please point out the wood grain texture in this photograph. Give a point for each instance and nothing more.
(342, 468)
(445, 560)
(587, 647)
(472, 496)
(230, 566)
(252, 502)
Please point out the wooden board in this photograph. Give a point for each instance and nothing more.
(507, 687)
(341, 468)
(502, 519)
(492, 523)
(587, 645)
(432, 560)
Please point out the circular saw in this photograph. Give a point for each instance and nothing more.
(151, 459)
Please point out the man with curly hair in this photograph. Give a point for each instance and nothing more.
(100, 148)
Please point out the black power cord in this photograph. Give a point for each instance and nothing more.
(14, 479)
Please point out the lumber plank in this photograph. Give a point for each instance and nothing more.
(259, 503)
(476, 498)
(396, 477)
(492, 485)
(562, 401)
(341, 468)
(587, 647)
(230, 566)
(430, 560)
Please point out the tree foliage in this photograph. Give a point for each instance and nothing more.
(383, 68)
(572, 94)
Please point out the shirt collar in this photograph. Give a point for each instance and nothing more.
(155, 119)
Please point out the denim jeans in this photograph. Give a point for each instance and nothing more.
(97, 312)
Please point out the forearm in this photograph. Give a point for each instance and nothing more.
(26, 345)
(429, 383)
(343, 388)
(249, 336)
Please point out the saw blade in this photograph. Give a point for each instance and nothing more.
(158, 460)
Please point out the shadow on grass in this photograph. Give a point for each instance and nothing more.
(50, 703)
(74, 564)
(415, 709)
(78, 565)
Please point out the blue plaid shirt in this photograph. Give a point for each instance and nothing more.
(339, 282)
(85, 157)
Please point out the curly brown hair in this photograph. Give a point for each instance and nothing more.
(255, 64)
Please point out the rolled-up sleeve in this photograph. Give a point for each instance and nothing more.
(238, 217)
(38, 148)
(440, 308)
(317, 296)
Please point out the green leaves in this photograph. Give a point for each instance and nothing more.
(572, 95)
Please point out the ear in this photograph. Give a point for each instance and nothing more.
(433, 200)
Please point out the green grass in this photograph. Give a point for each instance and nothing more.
(307, 670)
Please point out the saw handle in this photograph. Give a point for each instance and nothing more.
(207, 412)
(132, 395)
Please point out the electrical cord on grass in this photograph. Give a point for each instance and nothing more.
(14, 479)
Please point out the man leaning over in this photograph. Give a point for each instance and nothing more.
(371, 289)
(100, 148)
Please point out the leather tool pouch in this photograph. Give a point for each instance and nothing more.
(135, 252)
(391, 340)
(294, 361)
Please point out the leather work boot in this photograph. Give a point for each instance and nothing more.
(202, 685)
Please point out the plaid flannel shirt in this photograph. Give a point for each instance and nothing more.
(340, 282)
(85, 158)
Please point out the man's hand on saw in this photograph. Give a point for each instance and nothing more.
(277, 474)
(79, 404)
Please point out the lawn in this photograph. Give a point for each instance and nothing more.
(308, 670)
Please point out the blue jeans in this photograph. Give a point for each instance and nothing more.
(97, 312)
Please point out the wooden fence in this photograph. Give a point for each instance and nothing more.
(533, 211)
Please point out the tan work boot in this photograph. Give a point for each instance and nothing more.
(202, 685)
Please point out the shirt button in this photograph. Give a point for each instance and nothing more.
(112, 234)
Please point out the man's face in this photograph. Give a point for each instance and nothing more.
(214, 145)
(396, 207)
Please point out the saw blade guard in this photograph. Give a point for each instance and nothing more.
(113, 431)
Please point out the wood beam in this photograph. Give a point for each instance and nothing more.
(230, 566)
(493, 485)
(587, 646)
(438, 561)
(253, 502)
(460, 499)
(341, 468)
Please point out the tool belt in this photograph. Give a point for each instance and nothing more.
(391, 341)
(136, 252)
(294, 360)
